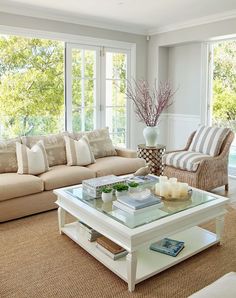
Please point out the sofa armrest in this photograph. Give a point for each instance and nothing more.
(128, 153)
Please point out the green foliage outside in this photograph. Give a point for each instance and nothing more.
(31, 86)
(224, 84)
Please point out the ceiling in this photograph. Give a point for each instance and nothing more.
(138, 16)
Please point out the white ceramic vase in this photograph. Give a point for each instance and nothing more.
(150, 134)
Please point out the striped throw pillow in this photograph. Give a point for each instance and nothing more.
(208, 140)
(31, 161)
(78, 153)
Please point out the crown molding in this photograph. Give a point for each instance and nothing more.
(71, 19)
(194, 22)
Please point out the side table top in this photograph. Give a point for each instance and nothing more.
(158, 146)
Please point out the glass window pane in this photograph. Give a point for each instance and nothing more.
(76, 63)
(83, 119)
(89, 62)
(116, 65)
(116, 121)
(115, 93)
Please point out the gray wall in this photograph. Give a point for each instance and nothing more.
(74, 29)
(184, 72)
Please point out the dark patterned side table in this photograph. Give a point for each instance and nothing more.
(153, 155)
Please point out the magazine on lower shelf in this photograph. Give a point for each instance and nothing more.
(110, 254)
(168, 246)
(110, 248)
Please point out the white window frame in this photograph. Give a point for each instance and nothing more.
(103, 89)
(79, 39)
(68, 75)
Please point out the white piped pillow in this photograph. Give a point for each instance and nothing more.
(79, 152)
(31, 161)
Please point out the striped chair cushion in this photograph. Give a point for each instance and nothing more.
(208, 140)
(184, 160)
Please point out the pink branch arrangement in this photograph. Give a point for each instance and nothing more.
(149, 102)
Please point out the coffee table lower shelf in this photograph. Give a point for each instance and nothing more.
(149, 262)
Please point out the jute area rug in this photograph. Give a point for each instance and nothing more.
(35, 261)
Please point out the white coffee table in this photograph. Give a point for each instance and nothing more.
(176, 220)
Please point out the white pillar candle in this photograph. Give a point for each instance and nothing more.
(173, 180)
(163, 179)
(175, 190)
(165, 189)
(183, 190)
(157, 189)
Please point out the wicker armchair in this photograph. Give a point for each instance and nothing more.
(211, 173)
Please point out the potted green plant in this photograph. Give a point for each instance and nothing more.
(106, 194)
(133, 186)
(121, 189)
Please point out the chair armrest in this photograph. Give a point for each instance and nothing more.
(128, 153)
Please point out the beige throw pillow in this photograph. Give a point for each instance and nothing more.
(99, 140)
(54, 145)
(8, 161)
(78, 153)
(31, 161)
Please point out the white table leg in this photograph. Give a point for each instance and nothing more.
(219, 227)
(61, 218)
(131, 269)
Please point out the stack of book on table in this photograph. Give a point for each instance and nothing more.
(168, 246)
(134, 205)
(90, 232)
(110, 248)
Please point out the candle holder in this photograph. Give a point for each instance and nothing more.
(180, 198)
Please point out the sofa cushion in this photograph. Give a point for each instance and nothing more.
(54, 145)
(31, 161)
(208, 140)
(8, 161)
(13, 185)
(99, 140)
(116, 165)
(62, 175)
(184, 160)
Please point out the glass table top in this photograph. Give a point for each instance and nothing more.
(132, 221)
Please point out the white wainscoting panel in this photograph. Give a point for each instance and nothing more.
(179, 128)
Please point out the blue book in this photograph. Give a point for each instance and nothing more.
(138, 204)
(168, 246)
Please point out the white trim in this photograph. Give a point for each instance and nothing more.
(227, 15)
(66, 37)
(72, 19)
(204, 89)
(179, 116)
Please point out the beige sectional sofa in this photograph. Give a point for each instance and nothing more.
(22, 195)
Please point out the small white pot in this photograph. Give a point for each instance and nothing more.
(121, 193)
(107, 197)
(133, 189)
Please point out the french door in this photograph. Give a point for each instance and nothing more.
(221, 107)
(96, 81)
